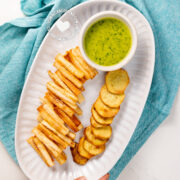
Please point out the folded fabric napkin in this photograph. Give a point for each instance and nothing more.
(21, 38)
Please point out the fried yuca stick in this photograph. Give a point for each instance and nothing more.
(71, 86)
(77, 122)
(61, 159)
(65, 138)
(71, 135)
(76, 52)
(39, 118)
(69, 66)
(80, 98)
(78, 64)
(62, 93)
(47, 142)
(59, 103)
(75, 107)
(50, 110)
(58, 126)
(68, 75)
(58, 81)
(42, 151)
(78, 111)
(52, 136)
(72, 106)
(67, 120)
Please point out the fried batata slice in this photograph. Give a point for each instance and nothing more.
(109, 99)
(81, 149)
(99, 119)
(94, 123)
(117, 81)
(104, 110)
(91, 138)
(92, 149)
(77, 157)
(103, 133)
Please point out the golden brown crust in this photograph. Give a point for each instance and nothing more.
(104, 110)
(81, 149)
(117, 81)
(91, 138)
(103, 133)
(99, 119)
(92, 149)
(109, 99)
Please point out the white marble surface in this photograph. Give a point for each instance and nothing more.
(158, 159)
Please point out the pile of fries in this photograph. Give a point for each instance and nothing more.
(103, 111)
(58, 109)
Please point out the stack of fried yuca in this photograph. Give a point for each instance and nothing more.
(103, 111)
(58, 107)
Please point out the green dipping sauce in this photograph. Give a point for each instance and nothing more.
(107, 41)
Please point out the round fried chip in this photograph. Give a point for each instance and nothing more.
(92, 149)
(103, 133)
(99, 119)
(91, 138)
(94, 123)
(104, 110)
(81, 149)
(117, 81)
(109, 99)
(77, 157)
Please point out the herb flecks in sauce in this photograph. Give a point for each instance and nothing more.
(108, 41)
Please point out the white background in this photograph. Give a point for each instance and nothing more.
(158, 159)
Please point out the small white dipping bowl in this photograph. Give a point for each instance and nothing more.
(94, 19)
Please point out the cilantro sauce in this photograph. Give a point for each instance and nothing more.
(107, 41)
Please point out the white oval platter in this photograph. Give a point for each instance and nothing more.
(140, 70)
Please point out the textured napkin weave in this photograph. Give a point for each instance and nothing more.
(21, 38)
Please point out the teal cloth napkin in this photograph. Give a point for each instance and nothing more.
(21, 38)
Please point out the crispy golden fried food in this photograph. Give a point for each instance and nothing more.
(49, 108)
(56, 125)
(69, 66)
(58, 108)
(41, 150)
(82, 151)
(92, 149)
(71, 135)
(109, 99)
(52, 136)
(39, 118)
(67, 120)
(94, 123)
(68, 75)
(61, 159)
(78, 64)
(77, 157)
(117, 81)
(59, 103)
(47, 142)
(104, 110)
(58, 81)
(61, 93)
(99, 119)
(64, 138)
(70, 85)
(91, 138)
(77, 54)
(103, 133)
